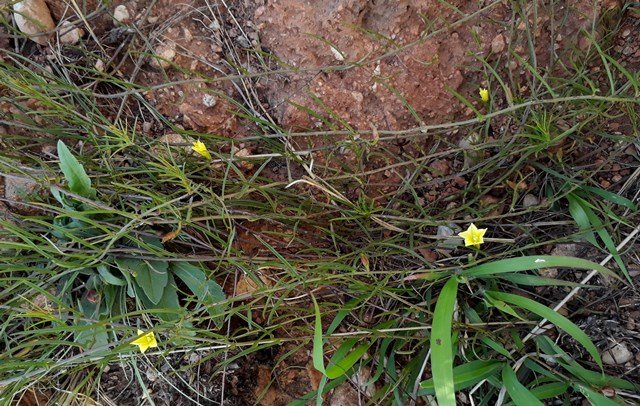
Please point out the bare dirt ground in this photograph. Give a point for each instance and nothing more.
(291, 58)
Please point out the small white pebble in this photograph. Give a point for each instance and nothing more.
(209, 100)
(337, 54)
(69, 34)
(121, 14)
(99, 65)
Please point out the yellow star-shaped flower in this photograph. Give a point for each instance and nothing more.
(484, 94)
(473, 236)
(145, 341)
(201, 149)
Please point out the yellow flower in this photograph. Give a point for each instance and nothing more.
(484, 94)
(145, 341)
(200, 148)
(473, 236)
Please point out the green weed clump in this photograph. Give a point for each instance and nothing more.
(130, 233)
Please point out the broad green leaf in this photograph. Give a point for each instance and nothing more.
(340, 363)
(593, 397)
(441, 347)
(318, 351)
(207, 291)
(151, 276)
(466, 375)
(91, 334)
(554, 317)
(108, 277)
(94, 336)
(529, 263)
(168, 304)
(520, 395)
(74, 173)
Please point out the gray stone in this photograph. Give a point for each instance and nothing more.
(617, 355)
(34, 19)
(472, 155)
(497, 44)
(566, 250)
(70, 34)
(530, 200)
(17, 190)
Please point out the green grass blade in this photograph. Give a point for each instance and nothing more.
(529, 263)
(536, 280)
(502, 306)
(606, 238)
(550, 390)
(582, 220)
(547, 391)
(520, 395)
(610, 196)
(318, 352)
(441, 347)
(593, 378)
(466, 375)
(554, 317)
(339, 366)
(593, 397)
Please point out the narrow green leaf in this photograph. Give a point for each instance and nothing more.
(344, 312)
(550, 390)
(473, 317)
(577, 212)
(381, 354)
(339, 366)
(318, 351)
(323, 387)
(537, 368)
(441, 348)
(74, 173)
(536, 280)
(520, 395)
(466, 375)
(554, 317)
(593, 378)
(502, 306)
(608, 241)
(612, 197)
(593, 397)
(529, 263)
(496, 346)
